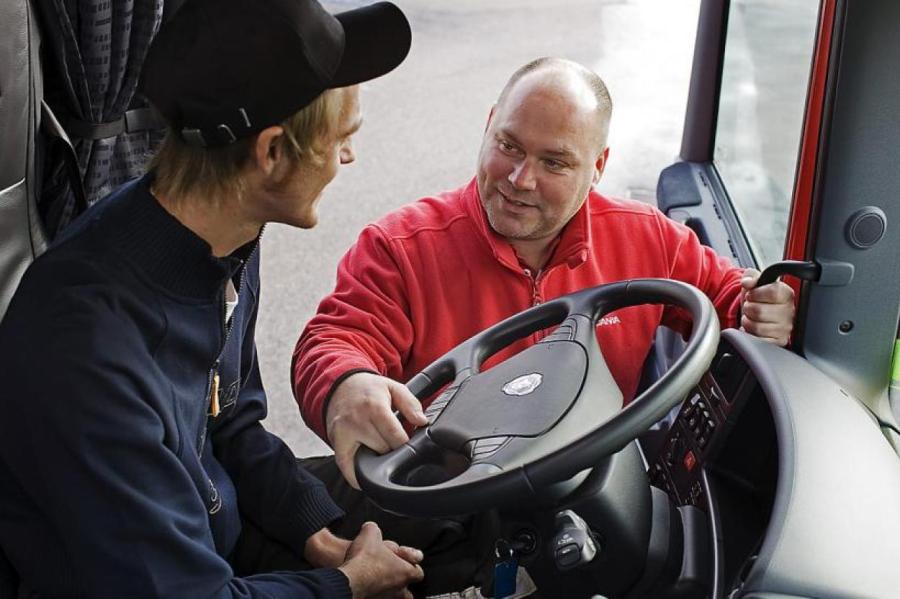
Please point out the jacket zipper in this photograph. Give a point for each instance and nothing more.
(212, 376)
(536, 297)
(212, 379)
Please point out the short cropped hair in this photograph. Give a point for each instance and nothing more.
(181, 169)
(589, 77)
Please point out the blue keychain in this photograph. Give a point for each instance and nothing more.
(505, 569)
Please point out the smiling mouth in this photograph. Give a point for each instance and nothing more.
(514, 202)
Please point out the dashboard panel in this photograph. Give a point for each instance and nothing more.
(797, 483)
(720, 457)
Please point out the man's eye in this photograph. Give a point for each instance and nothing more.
(507, 147)
(554, 165)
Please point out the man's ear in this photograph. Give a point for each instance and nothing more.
(268, 149)
(600, 165)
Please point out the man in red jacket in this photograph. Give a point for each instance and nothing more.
(528, 228)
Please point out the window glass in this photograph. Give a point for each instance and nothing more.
(768, 53)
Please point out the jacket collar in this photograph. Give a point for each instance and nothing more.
(138, 229)
(574, 240)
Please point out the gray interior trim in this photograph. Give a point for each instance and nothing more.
(858, 169)
(835, 525)
(692, 193)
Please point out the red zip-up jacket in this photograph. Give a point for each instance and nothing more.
(433, 273)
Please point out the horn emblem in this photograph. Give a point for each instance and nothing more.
(523, 385)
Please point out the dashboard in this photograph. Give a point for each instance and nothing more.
(790, 476)
(720, 457)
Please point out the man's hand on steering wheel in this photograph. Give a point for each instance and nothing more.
(361, 413)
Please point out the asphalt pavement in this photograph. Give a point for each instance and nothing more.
(422, 130)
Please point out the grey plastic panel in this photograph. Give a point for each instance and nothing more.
(835, 525)
(692, 194)
(860, 168)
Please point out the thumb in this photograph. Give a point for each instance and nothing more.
(749, 278)
(369, 533)
(408, 404)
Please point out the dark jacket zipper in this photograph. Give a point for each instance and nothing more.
(226, 333)
(215, 501)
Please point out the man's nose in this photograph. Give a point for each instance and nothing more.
(522, 176)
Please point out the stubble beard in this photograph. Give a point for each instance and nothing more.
(521, 231)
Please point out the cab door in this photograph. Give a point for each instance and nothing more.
(736, 175)
(790, 151)
(749, 101)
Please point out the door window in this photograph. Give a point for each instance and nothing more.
(768, 53)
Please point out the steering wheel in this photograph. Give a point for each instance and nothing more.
(542, 416)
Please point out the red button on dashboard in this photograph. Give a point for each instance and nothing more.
(690, 460)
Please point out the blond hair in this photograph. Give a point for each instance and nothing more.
(181, 169)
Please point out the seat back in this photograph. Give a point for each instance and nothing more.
(20, 97)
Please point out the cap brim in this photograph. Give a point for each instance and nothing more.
(376, 40)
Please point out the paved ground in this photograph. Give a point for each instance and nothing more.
(423, 126)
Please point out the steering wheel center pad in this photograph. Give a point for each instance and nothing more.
(522, 397)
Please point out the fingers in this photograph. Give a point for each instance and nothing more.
(390, 429)
(408, 404)
(776, 329)
(360, 414)
(343, 459)
(387, 568)
(410, 554)
(774, 332)
(361, 408)
(773, 293)
(768, 311)
(417, 574)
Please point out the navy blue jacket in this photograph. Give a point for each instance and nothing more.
(115, 481)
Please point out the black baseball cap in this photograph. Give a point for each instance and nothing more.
(222, 70)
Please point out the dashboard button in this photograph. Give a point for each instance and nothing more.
(690, 460)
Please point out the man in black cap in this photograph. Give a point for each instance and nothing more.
(132, 458)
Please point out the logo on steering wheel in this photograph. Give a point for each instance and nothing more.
(523, 385)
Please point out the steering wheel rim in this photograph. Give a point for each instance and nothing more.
(504, 467)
